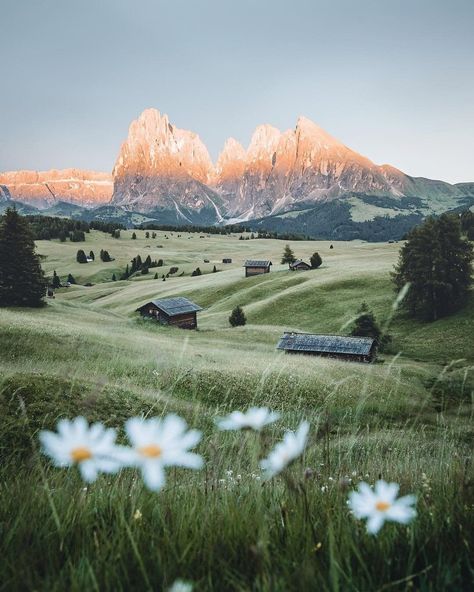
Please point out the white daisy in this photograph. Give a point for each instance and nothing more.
(159, 443)
(254, 418)
(287, 451)
(381, 504)
(181, 586)
(92, 449)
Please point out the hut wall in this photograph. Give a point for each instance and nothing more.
(256, 270)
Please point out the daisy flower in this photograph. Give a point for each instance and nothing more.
(92, 449)
(255, 418)
(381, 504)
(159, 443)
(181, 586)
(286, 451)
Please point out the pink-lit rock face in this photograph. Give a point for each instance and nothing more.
(44, 188)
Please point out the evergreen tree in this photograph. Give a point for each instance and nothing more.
(153, 235)
(315, 260)
(214, 269)
(288, 255)
(92, 256)
(155, 277)
(237, 317)
(147, 235)
(144, 270)
(114, 278)
(81, 257)
(366, 325)
(56, 283)
(71, 279)
(436, 262)
(22, 282)
(62, 236)
(197, 271)
(160, 263)
(148, 261)
(134, 236)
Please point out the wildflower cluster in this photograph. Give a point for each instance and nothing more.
(156, 444)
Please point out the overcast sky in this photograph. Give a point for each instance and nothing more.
(392, 79)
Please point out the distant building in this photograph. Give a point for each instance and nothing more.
(357, 349)
(300, 265)
(178, 312)
(226, 260)
(256, 267)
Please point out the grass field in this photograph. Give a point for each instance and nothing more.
(407, 418)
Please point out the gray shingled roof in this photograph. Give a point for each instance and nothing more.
(331, 344)
(257, 263)
(298, 261)
(175, 306)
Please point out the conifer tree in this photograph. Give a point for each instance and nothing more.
(56, 283)
(214, 269)
(315, 260)
(436, 262)
(134, 236)
(81, 257)
(92, 256)
(237, 317)
(366, 325)
(71, 279)
(114, 278)
(288, 255)
(22, 281)
(155, 277)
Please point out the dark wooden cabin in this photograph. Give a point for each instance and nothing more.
(256, 267)
(357, 349)
(300, 265)
(227, 260)
(178, 312)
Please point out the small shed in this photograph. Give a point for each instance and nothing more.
(300, 265)
(256, 267)
(357, 349)
(178, 312)
(227, 260)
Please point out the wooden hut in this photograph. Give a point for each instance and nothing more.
(256, 267)
(227, 260)
(357, 349)
(300, 265)
(178, 312)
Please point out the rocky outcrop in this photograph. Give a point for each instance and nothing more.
(43, 189)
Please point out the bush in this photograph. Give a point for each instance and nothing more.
(237, 317)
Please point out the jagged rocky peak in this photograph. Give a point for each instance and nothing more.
(155, 147)
(231, 161)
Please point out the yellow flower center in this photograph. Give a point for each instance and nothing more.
(151, 451)
(382, 506)
(80, 454)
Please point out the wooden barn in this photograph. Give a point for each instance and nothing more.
(227, 260)
(178, 312)
(357, 349)
(254, 267)
(300, 265)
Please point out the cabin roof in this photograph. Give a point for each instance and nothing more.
(257, 263)
(299, 262)
(332, 344)
(174, 306)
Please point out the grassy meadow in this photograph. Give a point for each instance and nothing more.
(407, 418)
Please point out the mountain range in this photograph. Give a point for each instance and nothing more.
(290, 180)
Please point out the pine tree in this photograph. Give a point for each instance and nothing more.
(92, 256)
(436, 262)
(71, 279)
(22, 282)
(366, 325)
(114, 278)
(237, 317)
(197, 271)
(288, 255)
(155, 277)
(56, 283)
(81, 257)
(315, 260)
(147, 235)
(214, 269)
(134, 236)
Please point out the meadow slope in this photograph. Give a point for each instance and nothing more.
(406, 418)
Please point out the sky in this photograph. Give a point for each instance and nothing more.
(392, 79)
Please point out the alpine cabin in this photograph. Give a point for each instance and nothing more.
(357, 349)
(177, 312)
(300, 265)
(256, 267)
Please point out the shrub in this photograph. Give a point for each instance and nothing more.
(315, 260)
(81, 257)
